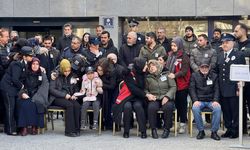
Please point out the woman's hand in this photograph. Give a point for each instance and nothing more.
(73, 97)
(151, 97)
(43, 69)
(67, 96)
(25, 96)
(164, 101)
(171, 76)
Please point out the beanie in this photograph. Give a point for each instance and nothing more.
(189, 28)
(64, 64)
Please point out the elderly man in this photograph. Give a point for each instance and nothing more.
(204, 91)
(228, 89)
(162, 39)
(129, 50)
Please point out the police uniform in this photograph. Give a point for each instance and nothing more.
(229, 99)
(140, 37)
(11, 84)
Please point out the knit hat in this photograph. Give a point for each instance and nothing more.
(64, 64)
(189, 28)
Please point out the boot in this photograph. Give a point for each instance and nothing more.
(34, 130)
(24, 131)
(154, 134)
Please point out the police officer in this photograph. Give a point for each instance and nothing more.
(228, 88)
(133, 26)
(11, 84)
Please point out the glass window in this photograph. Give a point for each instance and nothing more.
(224, 25)
(173, 28)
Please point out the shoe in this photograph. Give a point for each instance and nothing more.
(34, 130)
(12, 133)
(24, 132)
(200, 135)
(165, 133)
(71, 134)
(126, 135)
(143, 135)
(95, 125)
(234, 135)
(83, 125)
(154, 134)
(226, 134)
(182, 128)
(215, 136)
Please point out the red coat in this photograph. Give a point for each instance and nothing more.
(182, 69)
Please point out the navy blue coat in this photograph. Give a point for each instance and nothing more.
(228, 88)
(14, 77)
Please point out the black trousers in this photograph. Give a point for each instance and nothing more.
(181, 105)
(72, 114)
(168, 108)
(128, 109)
(230, 109)
(10, 112)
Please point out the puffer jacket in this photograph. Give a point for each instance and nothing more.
(203, 55)
(91, 88)
(149, 54)
(203, 88)
(159, 84)
(189, 45)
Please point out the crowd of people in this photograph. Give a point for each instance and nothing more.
(147, 74)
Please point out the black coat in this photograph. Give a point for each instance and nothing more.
(203, 88)
(62, 86)
(228, 88)
(128, 53)
(13, 79)
(166, 44)
(64, 42)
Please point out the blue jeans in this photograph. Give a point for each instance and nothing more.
(215, 117)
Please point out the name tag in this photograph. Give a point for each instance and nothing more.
(206, 55)
(156, 54)
(209, 82)
(40, 78)
(51, 56)
(163, 78)
(176, 63)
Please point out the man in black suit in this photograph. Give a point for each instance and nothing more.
(228, 88)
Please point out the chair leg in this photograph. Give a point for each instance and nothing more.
(45, 122)
(113, 128)
(175, 122)
(191, 124)
(137, 129)
(52, 120)
(100, 121)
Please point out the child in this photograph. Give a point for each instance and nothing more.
(91, 87)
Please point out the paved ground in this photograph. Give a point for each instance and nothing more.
(89, 140)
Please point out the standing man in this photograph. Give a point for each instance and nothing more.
(107, 45)
(240, 33)
(228, 89)
(151, 50)
(216, 40)
(4, 63)
(129, 50)
(49, 58)
(189, 40)
(203, 52)
(133, 27)
(66, 39)
(162, 39)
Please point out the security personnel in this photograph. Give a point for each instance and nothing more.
(11, 84)
(228, 89)
(133, 25)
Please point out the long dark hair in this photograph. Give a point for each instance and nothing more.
(106, 64)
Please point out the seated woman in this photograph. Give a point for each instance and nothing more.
(135, 101)
(33, 99)
(62, 91)
(160, 91)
